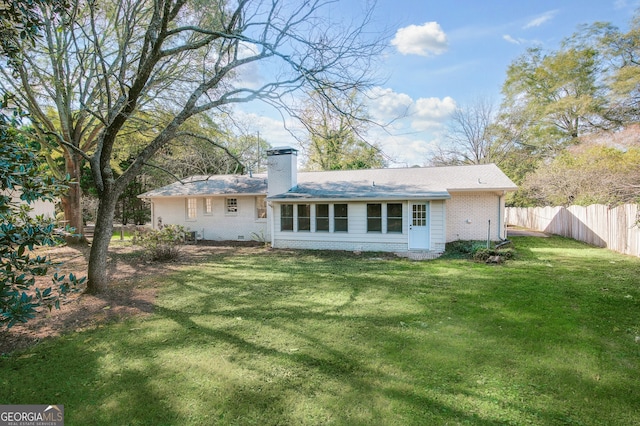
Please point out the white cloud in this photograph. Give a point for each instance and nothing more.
(424, 40)
(431, 113)
(411, 125)
(619, 4)
(541, 19)
(248, 75)
(273, 130)
(387, 106)
(510, 39)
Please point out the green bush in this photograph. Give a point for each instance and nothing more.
(476, 250)
(163, 244)
(464, 248)
(483, 254)
(23, 181)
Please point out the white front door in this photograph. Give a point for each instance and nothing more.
(419, 226)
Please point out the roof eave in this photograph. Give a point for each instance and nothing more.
(302, 198)
(233, 194)
(487, 189)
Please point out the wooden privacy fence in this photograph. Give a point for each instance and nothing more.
(615, 228)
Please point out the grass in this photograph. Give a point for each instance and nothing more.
(321, 338)
(119, 234)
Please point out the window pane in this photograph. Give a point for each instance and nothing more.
(341, 218)
(286, 210)
(304, 217)
(394, 217)
(394, 225)
(322, 210)
(419, 215)
(304, 210)
(286, 224)
(192, 204)
(340, 210)
(374, 210)
(286, 217)
(374, 217)
(394, 210)
(322, 224)
(374, 225)
(232, 205)
(261, 207)
(322, 217)
(341, 225)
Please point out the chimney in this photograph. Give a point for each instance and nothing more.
(282, 171)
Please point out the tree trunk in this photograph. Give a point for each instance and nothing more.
(97, 280)
(71, 201)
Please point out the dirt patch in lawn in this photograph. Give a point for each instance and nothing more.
(131, 293)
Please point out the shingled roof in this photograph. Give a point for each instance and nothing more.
(212, 185)
(401, 183)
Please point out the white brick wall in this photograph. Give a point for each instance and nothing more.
(469, 213)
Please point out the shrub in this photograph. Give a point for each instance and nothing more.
(464, 249)
(483, 254)
(163, 244)
(476, 250)
(22, 183)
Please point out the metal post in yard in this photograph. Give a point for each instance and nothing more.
(489, 234)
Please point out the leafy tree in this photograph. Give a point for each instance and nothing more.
(22, 182)
(131, 208)
(151, 66)
(623, 52)
(589, 174)
(21, 21)
(335, 125)
(557, 95)
(41, 84)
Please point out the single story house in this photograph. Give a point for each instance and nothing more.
(394, 210)
(44, 208)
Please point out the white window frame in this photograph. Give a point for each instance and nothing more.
(395, 218)
(291, 218)
(261, 206)
(191, 208)
(231, 206)
(337, 219)
(208, 206)
(379, 219)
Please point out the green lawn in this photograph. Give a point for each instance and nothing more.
(323, 338)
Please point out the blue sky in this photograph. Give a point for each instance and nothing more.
(444, 54)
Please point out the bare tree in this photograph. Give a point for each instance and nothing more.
(474, 136)
(113, 66)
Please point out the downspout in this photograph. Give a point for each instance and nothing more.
(500, 221)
